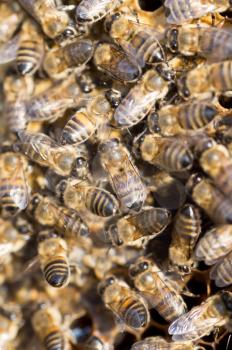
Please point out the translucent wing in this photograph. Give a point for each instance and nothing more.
(222, 272)
(194, 324)
(8, 51)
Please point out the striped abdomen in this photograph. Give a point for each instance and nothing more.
(79, 128)
(196, 115)
(175, 156)
(222, 272)
(134, 312)
(57, 272)
(13, 194)
(101, 202)
(70, 223)
(29, 56)
(15, 115)
(54, 341)
(220, 76)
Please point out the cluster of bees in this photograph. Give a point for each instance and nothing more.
(115, 175)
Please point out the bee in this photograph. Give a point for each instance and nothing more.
(180, 11)
(16, 90)
(159, 343)
(168, 153)
(14, 190)
(139, 228)
(67, 221)
(53, 258)
(95, 343)
(10, 18)
(206, 79)
(211, 43)
(97, 200)
(157, 289)
(202, 319)
(142, 44)
(112, 60)
(30, 50)
(44, 151)
(184, 117)
(60, 61)
(94, 10)
(215, 244)
(221, 273)
(46, 322)
(11, 322)
(186, 230)
(54, 22)
(51, 104)
(210, 199)
(124, 302)
(84, 123)
(153, 85)
(123, 174)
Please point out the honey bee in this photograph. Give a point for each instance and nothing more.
(215, 244)
(30, 50)
(11, 322)
(10, 18)
(67, 221)
(95, 343)
(83, 124)
(211, 43)
(46, 322)
(53, 258)
(159, 343)
(16, 90)
(94, 10)
(124, 302)
(14, 190)
(157, 289)
(184, 118)
(112, 60)
(97, 200)
(60, 61)
(168, 153)
(139, 228)
(123, 174)
(210, 199)
(202, 319)
(54, 22)
(153, 85)
(180, 11)
(222, 272)
(206, 79)
(44, 151)
(186, 230)
(140, 43)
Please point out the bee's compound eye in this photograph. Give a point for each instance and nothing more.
(143, 266)
(80, 162)
(35, 200)
(62, 185)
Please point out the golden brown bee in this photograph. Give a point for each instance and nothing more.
(123, 174)
(90, 11)
(124, 302)
(157, 289)
(44, 151)
(216, 311)
(11, 321)
(67, 221)
(168, 153)
(30, 50)
(10, 18)
(95, 343)
(60, 61)
(180, 11)
(207, 79)
(112, 60)
(159, 343)
(75, 193)
(209, 42)
(14, 190)
(186, 230)
(140, 43)
(210, 199)
(53, 258)
(221, 273)
(183, 118)
(46, 322)
(54, 21)
(84, 123)
(139, 228)
(153, 85)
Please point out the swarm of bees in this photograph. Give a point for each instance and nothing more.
(115, 175)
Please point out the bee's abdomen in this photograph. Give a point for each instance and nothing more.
(54, 341)
(57, 272)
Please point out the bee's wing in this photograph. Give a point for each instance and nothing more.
(8, 51)
(193, 324)
(221, 272)
(174, 7)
